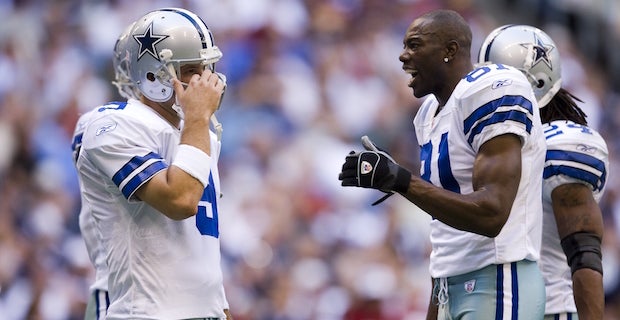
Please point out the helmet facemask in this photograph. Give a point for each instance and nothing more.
(171, 68)
(120, 63)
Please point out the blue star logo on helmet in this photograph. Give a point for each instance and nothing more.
(147, 42)
(541, 51)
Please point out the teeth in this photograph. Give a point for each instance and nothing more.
(413, 73)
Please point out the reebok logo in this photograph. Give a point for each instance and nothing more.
(105, 128)
(501, 83)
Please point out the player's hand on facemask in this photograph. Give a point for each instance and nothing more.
(374, 169)
(202, 96)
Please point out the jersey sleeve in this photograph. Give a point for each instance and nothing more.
(497, 103)
(78, 132)
(575, 157)
(124, 151)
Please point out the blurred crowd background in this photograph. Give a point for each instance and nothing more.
(306, 79)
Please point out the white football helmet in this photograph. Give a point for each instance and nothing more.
(120, 63)
(530, 50)
(163, 40)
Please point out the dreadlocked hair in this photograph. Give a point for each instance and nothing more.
(563, 107)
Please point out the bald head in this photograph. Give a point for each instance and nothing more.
(447, 25)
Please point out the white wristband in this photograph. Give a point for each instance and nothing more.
(193, 161)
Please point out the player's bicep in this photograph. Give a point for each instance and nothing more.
(160, 188)
(153, 188)
(576, 210)
(497, 171)
(173, 192)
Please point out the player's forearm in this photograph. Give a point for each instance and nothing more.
(177, 191)
(172, 192)
(495, 179)
(577, 213)
(589, 294)
(477, 212)
(196, 133)
(576, 210)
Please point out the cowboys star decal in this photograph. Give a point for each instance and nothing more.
(147, 42)
(541, 51)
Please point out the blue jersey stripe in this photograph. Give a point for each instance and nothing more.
(515, 290)
(576, 157)
(499, 291)
(473, 124)
(97, 305)
(144, 175)
(578, 174)
(558, 316)
(132, 165)
(446, 178)
(500, 117)
(570, 156)
(102, 301)
(491, 106)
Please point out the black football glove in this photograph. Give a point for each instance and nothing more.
(374, 169)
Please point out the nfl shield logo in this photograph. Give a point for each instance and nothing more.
(470, 285)
(365, 167)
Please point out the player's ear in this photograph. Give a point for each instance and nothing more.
(450, 50)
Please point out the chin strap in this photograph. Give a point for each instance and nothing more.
(217, 126)
(177, 108)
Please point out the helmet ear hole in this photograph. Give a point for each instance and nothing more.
(540, 84)
(150, 76)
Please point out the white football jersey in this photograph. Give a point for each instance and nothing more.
(575, 154)
(86, 220)
(490, 101)
(159, 268)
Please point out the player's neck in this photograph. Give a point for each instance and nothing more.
(165, 112)
(459, 70)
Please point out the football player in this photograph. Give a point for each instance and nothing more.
(149, 174)
(482, 156)
(575, 173)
